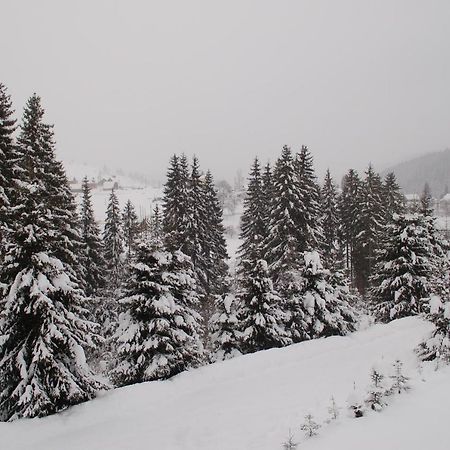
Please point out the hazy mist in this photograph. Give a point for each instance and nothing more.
(129, 83)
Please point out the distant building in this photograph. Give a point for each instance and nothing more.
(109, 185)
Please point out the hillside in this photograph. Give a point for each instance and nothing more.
(433, 168)
(251, 402)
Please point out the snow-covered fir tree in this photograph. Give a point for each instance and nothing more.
(93, 259)
(310, 426)
(400, 382)
(8, 168)
(261, 311)
(426, 201)
(158, 334)
(330, 222)
(224, 328)
(401, 282)
(377, 391)
(348, 206)
(130, 225)
(370, 226)
(113, 242)
(282, 246)
(43, 327)
(253, 225)
(214, 240)
(309, 215)
(156, 231)
(394, 200)
(321, 309)
(437, 346)
(176, 203)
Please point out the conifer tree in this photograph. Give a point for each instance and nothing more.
(253, 225)
(394, 200)
(370, 226)
(156, 224)
(43, 327)
(267, 194)
(401, 281)
(8, 166)
(330, 222)
(214, 240)
(437, 346)
(129, 228)
(196, 226)
(282, 246)
(261, 316)
(176, 203)
(326, 313)
(308, 216)
(158, 335)
(426, 201)
(36, 142)
(93, 260)
(113, 242)
(348, 206)
(224, 323)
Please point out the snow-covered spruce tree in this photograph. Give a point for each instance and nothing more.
(36, 141)
(113, 242)
(223, 326)
(377, 390)
(215, 244)
(426, 201)
(43, 330)
(437, 346)
(253, 225)
(370, 226)
(197, 227)
(261, 312)
(130, 227)
(156, 231)
(158, 334)
(394, 200)
(93, 259)
(267, 193)
(310, 426)
(309, 215)
(324, 311)
(176, 203)
(8, 166)
(348, 206)
(284, 239)
(400, 284)
(400, 382)
(330, 223)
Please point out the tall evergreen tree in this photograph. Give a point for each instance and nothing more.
(253, 225)
(113, 242)
(330, 222)
(267, 194)
(156, 224)
(215, 244)
(426, 201)
(130, 227)
(370, 225)
(401, 282)
(308, 216)
(392, 196)
(93, 259)
(43, 330)
(176, 203)
(159, 328)
(348, 206)
(261, 314)
(282, 246)
(8, 167)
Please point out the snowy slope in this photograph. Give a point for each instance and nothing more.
(251, 402)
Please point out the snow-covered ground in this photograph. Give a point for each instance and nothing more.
(252, 401)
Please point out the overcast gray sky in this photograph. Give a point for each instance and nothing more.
(128, 83)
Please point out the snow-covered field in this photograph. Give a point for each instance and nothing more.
(252, 401)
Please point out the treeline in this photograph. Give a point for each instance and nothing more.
(145, 300)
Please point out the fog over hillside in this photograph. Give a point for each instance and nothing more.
(432, 168)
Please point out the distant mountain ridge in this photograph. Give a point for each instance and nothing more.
(432, 168)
